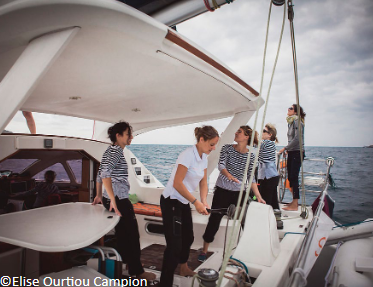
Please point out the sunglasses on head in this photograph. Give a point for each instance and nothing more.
(291, 108)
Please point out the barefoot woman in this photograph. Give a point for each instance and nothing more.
(293, 151)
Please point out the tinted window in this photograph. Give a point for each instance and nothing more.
(76, 167)
(61, 175)
(16, 165)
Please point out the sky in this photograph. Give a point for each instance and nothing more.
(334, 46)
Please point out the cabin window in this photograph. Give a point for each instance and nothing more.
(76, 168)
(16, 165)
(61, 174)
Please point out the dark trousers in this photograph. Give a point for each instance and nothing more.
(293, 165)
(127, 234)
(178, 229)
(223, 198)
(268, 191)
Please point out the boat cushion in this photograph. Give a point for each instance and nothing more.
(147, 209)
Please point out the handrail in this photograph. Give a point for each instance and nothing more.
(283, 175)
(314, 159)
(296, 279)
(314, 173)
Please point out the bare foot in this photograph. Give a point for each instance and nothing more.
(146, 275)
(291, 207)
(186, 271)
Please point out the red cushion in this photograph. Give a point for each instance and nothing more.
(147, 209)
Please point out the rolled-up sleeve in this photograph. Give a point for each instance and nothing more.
(109, 162)
(223, 158)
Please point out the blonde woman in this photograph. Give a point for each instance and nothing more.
(190, 171)
(267, 172)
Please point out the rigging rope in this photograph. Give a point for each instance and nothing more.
(304, 213)
(234, 227)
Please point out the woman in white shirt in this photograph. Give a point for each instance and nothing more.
(190, 171)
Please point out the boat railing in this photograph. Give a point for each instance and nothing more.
(297, 276)
(311, 179)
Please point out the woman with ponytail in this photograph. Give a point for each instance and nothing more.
(190, 171)
(232, 163)
(113, 173)
(293, 150)
(267, 172)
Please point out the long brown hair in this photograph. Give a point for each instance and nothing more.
(302, 113)
(249, 132)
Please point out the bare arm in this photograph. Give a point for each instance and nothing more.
(229, 176)
(180, 187)
(98, 198)
(30, 121)
(255, 189)
(109, 189)
(203, 190)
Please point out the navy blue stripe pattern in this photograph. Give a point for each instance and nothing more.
(267, 152)
(114, 165)
(235, 163)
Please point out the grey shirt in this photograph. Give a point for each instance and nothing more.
(293, 137)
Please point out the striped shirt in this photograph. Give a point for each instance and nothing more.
(234, 162)
(114, 165)
(267, 160)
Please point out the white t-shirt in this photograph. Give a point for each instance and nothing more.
(196, 170)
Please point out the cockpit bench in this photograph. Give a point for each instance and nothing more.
(147, 209)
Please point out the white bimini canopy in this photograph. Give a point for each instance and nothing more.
(104, 60)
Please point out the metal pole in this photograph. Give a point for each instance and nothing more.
(296, 279)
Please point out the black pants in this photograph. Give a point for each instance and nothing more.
(127, 233)
(178, 228)
(223, 198)
(268, 191)
(293, 165)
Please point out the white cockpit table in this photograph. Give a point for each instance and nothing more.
(57, 228)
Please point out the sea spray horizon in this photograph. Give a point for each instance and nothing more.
(352, 174)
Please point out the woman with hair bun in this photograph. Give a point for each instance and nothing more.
(293, 150)
(267, 172)
(190, 171)
(232, 163)
(113, 173)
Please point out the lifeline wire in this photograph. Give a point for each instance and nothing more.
(234, 231)
(300, 131)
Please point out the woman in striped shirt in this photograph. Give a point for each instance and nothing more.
(113, 173)
(267, 172)
(231, 165)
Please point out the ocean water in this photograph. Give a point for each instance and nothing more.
(352, 174)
